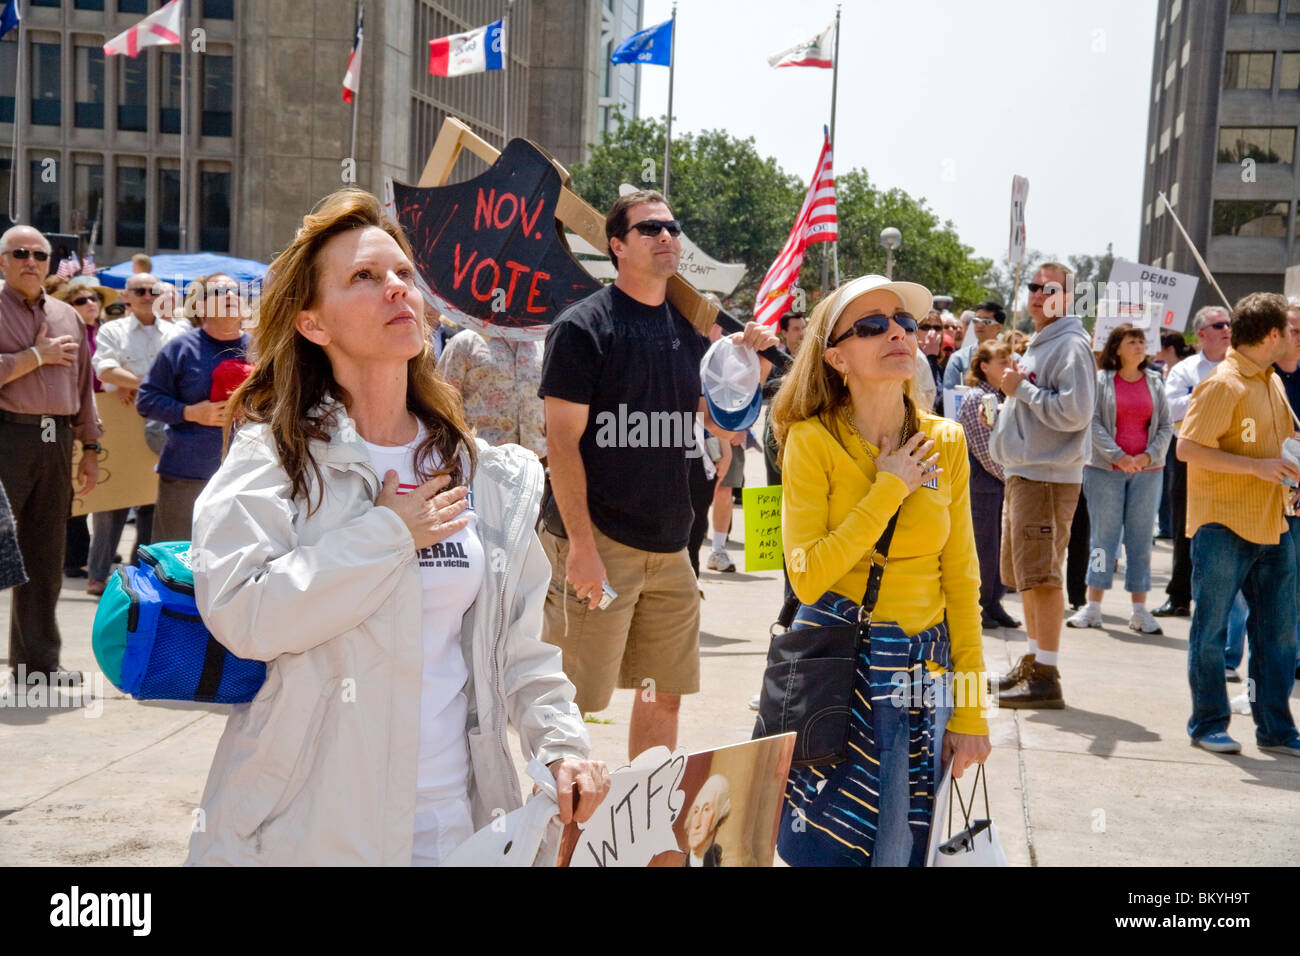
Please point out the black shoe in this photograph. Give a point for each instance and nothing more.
(1170, 609)
(997, 616)
(59, 677)
(1040, 690)
(1014, 676)
(74, 572)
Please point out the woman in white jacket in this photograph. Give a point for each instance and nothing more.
(385, 567)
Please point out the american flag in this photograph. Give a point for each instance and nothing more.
(161, 28)
(352, 78)
(69, 267)
(816, 222)
(88, 264)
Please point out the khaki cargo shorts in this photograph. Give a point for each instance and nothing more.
(1036, 532)
(648, 639)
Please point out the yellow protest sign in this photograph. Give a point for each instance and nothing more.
(762, 508)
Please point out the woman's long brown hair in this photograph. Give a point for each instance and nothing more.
(293, 376)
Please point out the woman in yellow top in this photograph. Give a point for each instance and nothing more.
(855, 450)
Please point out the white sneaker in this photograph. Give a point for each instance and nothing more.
(1240, 704)
(1086, 616)
(753, 702)
(1144, 623)
(721, 561)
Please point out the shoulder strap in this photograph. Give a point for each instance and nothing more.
(879, 558)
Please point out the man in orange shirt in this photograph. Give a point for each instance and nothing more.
(1237, 491)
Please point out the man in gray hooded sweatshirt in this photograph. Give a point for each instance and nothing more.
(1042, 439)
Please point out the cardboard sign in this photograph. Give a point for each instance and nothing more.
(488, 250)
(762, 511)
(1142, 315)
(126, 465)
(1171, 291)
(714, 808)
(1019, 195)
(952, 400)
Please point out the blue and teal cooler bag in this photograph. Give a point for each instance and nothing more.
(151, 643)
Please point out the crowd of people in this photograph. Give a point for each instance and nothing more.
(436, 516)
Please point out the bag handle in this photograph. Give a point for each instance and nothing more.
(982, 778)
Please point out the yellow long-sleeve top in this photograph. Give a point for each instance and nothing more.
(834, 507)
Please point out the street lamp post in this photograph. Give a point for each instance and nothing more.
(891, 239)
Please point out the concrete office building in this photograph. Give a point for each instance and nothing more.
(1221, 142)
(268, 131)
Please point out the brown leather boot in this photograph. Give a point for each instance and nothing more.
(1039, 690)
(1013, 677)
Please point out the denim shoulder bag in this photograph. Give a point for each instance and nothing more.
(808, 681)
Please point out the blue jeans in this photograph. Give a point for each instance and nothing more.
(1236, 647)
(1121, 505)
(1265, 574)
(894, 836)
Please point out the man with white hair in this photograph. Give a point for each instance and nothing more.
(1211, 325)
(46, 400)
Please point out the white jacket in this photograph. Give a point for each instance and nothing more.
(320, 768)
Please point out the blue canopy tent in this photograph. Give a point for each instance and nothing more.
(184, 269)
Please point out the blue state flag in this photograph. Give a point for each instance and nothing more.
(652, 45)
(9, 17)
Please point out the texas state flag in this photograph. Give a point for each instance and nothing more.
(472, 52)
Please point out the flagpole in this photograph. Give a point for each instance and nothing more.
(184, 218)
(1195, 252)
(672, 61)
(505, 77)
(835, 84)
(352, 140)
(14, 213)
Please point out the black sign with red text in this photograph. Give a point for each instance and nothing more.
(490, 251)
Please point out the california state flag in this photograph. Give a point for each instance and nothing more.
(161, 28)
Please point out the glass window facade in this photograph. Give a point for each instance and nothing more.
(133, 93)
(218, 95)
(1290, 78)
(131, 199)
(88, 67)
(219, 9)
(1256, 6)
(1268, 219)
(169, 209)
(47, 80)
(1268, 144)
(214, 211)
(45, 196)
(132, 6)
(8, 72)
(169, 94)
(1248, 71)
(87, 190)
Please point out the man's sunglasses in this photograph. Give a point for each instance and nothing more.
(978, 321)
(85, 298)
(1218, 325)
(1053, 289)
(872, 325)
(37, 254)
(145, 291)
(931, 327)
(651, 227)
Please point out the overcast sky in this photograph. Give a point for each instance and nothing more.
(946, 99)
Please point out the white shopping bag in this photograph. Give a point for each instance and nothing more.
(977, 844)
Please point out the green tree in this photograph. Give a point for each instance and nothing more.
(739, 206)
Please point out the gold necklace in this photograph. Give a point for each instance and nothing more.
(904, 434)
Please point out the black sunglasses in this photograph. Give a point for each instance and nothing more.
(1035, 287)
(1218, 325)
(36, 254)
(873, 325)
(84, 299)
(931, 327)
(144, 291)
(651, 227)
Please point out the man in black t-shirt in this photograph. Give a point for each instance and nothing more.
(621, 384)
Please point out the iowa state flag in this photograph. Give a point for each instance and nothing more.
(472, 52)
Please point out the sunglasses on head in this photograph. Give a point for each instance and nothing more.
(82, 300)
(872, 325)
(651, 227)
(1051, 289)
(37, 254)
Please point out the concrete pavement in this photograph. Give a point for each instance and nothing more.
(1109, 781)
